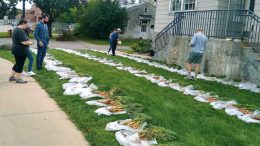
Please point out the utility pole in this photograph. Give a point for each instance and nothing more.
(23, 15)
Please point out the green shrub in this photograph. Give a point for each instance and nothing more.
(66, 35)
(142, 46)
(5, 47)
(100, 17)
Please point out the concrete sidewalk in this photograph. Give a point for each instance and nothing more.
(29, 117)
(77, 45)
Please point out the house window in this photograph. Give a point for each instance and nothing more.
(189, 5)
(176, 5)
(144, 21)
(145, 10)
(183, 5)
(152, 26)
(143, 28)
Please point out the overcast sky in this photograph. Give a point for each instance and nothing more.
(28, 5)
(20, 5)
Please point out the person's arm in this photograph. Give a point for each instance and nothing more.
(23, 39)
(193, 41)
(117, 37)
(36, 32)
(27, 43)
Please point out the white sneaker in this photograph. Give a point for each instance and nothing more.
(23, 74)
(31, 73)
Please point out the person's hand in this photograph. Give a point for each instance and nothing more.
(119, 42)
(40, 44)
(30, 43)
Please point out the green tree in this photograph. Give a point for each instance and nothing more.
(100, 17)
(55, 7)
(3, 8)
(69, 16)
(12, 11)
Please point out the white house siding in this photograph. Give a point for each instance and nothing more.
(164, 16)
(257, 7)
(133, 29)
(234, 4)
(207, 5)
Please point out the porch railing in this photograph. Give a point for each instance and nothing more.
(235, 24)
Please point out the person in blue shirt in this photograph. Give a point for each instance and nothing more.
(110, 48)
(41, 34)
(114, 39)
(198, 44)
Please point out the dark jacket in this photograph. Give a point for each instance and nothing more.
(114, 37)
(41, 33)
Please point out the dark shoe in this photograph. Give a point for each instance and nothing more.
(12, 79)
(21, 81)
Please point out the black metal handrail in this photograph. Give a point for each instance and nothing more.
(235, 24)
(252, 31)
(162, 38)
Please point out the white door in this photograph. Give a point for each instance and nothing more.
(144, 29)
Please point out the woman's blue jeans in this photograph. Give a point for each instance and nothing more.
(30, 57)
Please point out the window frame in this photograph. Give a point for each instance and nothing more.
(145, 26)
(146, 8)
(182, 6)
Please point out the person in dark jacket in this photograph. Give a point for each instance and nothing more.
(41, 34)
(19, 47)
(110, 48)
(114, 39)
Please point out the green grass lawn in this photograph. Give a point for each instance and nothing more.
(91, 125)
(4, 35)
(195, 123)
(227, 92)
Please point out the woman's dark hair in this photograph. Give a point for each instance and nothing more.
(22, 21)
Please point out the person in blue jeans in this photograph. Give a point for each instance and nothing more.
(29, 55)
(41, 34)
(31, 60)
(110, 44)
